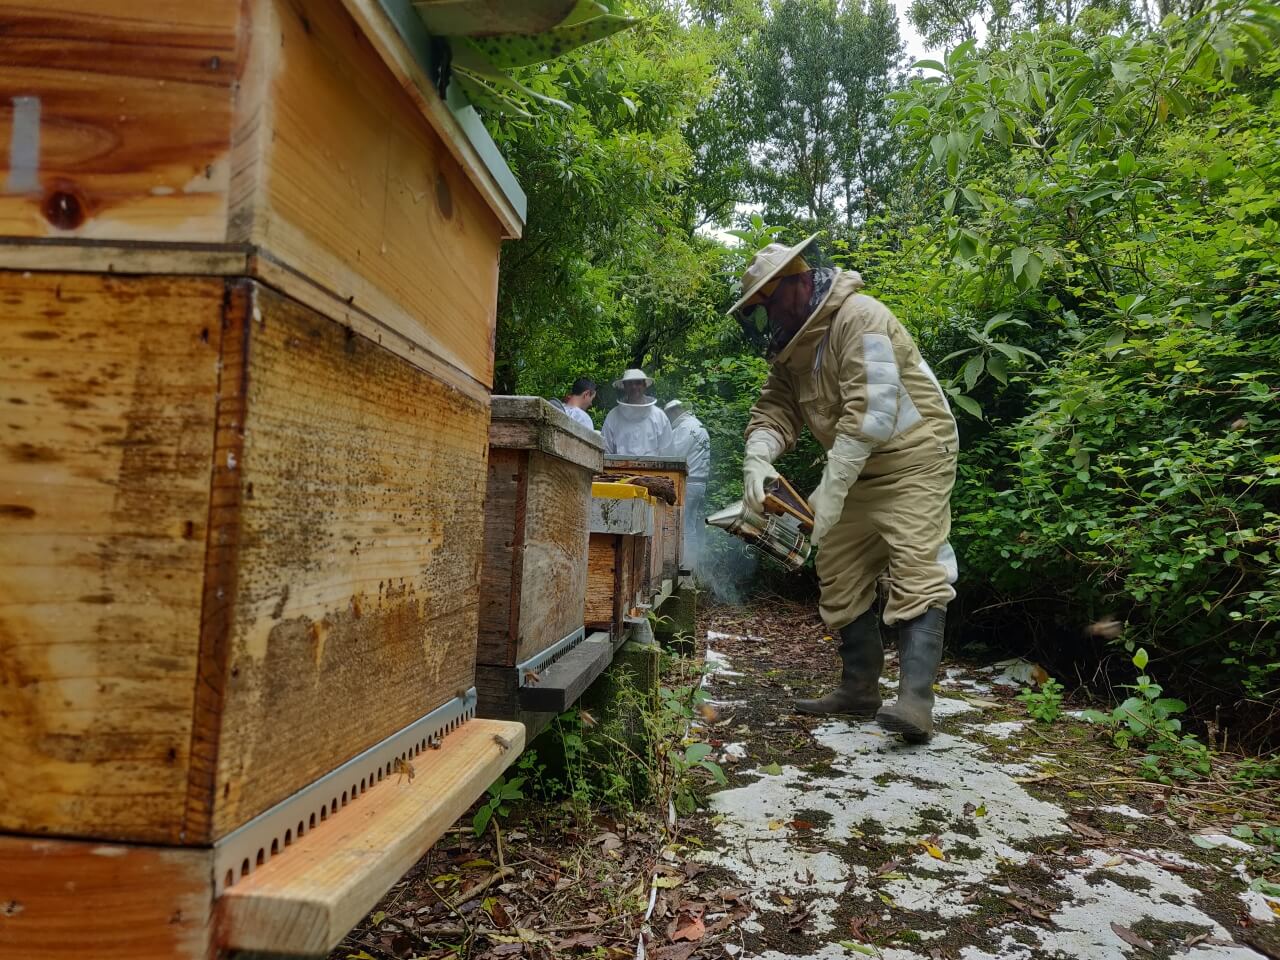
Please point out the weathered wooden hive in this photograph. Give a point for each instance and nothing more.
(622, 525)
(669, 563)
(534, 656)
(249, 269)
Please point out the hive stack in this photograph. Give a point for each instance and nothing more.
(534, 655)
(249, 264)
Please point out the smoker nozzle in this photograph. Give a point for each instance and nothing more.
(779, 537)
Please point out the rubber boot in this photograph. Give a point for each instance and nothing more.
(919, 653)
(862, 659)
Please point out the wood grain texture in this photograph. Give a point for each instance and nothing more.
(502, 570)
(109, 391)
(554, 585)
(382, 34)
(72, 899)
(354, 590)
(604, 601)
(307, 898)
(126, 109)
(346, 182)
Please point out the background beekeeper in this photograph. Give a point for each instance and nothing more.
(636, 427)
(690, 442)
(842, 365)
(581, 396)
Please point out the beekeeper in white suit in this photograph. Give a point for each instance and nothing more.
(636, 427)
(689, 441)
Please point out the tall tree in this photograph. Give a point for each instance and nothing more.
(819, 73)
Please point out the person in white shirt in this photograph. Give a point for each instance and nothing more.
(579, 401)
(689, 440)
(636, 427)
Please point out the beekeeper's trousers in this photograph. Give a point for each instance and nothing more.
(896, 521)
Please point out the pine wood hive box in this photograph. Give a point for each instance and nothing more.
(670, 516)
(249, 277)
(537, 512)
(622, 525)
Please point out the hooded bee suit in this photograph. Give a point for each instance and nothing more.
(637, 430)
(853, 375)
(689, 440)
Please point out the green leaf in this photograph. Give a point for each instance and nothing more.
(968, 405)
(772, 770)
(1126, 163)
(481, 819)
(1220, 170)
(716, 773)
(1140, 659)
(861, 948)
(485, 97)
(928, 65)
(973, 370)
(1031, 272)
(508, 51)
(697, 751)
(584, 10)
(998, 367)
(1019, 259)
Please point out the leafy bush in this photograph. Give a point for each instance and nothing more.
(1118, 196)
(1044, 704)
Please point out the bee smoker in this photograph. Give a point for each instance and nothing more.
(782, 532)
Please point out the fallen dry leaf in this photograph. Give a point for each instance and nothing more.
(801, 825)
(692, 931)
(675, 951)
(1131, 938)
(1086, 831)
(933, 850)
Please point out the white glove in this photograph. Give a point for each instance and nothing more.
(763, 447)
(845, 461)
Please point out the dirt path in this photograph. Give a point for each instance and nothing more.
(1002, 838)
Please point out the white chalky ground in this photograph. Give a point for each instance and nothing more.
(878, 783)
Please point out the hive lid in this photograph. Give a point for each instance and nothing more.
(532, 423)
(617, 460)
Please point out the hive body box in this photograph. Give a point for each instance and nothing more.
(622, 525)
(534, 582)
(249, 276)
(671, 516)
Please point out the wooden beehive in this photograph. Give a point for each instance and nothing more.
(670, 516)
(534, 581)
(622, 525)
(249, 263)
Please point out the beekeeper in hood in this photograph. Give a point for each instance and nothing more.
(636, 427)
(842, 365)
(690, 442)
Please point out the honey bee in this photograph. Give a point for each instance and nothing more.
(403, 768)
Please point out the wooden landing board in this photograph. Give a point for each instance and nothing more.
(306, 899)
(562, 683)
(82, 900)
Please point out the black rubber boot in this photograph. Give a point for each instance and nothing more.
(862, 659)
(919, 653)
